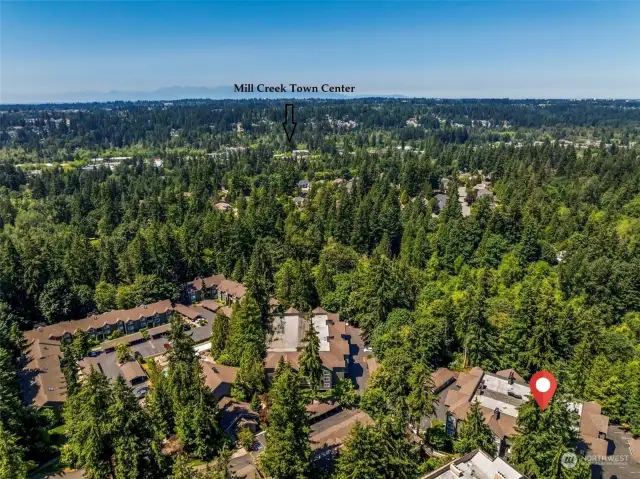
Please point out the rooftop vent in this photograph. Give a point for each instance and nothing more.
(456, 472)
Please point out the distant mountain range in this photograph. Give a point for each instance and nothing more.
(168, 94)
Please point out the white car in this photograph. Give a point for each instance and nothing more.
(367, 349)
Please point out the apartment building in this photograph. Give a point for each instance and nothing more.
(286, 341)
(101, 326)
(500, 395)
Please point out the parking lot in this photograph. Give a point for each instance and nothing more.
(619, 464)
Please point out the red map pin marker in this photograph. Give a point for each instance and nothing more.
(543, 386)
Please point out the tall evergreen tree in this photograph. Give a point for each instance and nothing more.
(543, 436)
(195, 408)
(69, 366)
(245, 328)
(13, 463)
(158, 404)
(197, 423)
(250, 377)
(181, 359)
(88, 428)
(130, 433)
(258, 279)
(421, 401)
(288, 452)
(377, 450)
(219, 334)
(310, 362)
(475, 433)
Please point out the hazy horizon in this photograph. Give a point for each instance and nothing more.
(172, 93)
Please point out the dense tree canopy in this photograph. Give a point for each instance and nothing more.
(545, 277)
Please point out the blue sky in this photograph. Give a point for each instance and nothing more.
(423, 48)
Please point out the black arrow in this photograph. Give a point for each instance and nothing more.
(289, 126)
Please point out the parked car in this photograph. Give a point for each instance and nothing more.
(142, 392)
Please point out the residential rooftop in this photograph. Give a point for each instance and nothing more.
(43, 381)
(334, 430)
(288, 333)
(95, 321)
(500, 395)
(475, 465)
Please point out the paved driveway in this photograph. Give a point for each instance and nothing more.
(78, 474)
(619, 463)
(358, 367)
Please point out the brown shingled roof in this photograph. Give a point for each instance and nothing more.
(97, 321)
(132, 370)
(597, 446)
(225, 285)
(503, 427)
(239, 290)
(128, 339)
(318, 408)
(441, 376)
(272, 359)
(207, 282)
(338, 431)
(187, 311)
(46, 383)
(196, 284)
(458, 400)
(214, 280)
(231, 287)
(216, 374)
(210, 305)
(505, 373)
(163, 328)
(592, 424)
